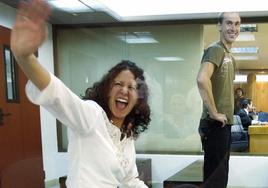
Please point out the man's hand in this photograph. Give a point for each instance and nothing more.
(219, 117)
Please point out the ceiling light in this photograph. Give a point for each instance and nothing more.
(169, 59)
(261, 78)
(248, 28)
(247, 36)
(245, 50)
(138, 37)
(240, 78)
(246, 58)
(73, 6)
(96, 5)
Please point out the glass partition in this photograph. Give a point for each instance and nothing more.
(170, 56)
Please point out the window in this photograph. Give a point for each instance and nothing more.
(11, 75)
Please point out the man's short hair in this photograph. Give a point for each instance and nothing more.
(245, 103)
(220, 17)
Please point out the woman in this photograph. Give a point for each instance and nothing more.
(103, 126)
(239, 97)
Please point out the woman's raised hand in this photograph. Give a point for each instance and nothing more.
(29, 31)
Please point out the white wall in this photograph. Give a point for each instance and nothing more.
(7, 15)
(54, 162)
(244, 170)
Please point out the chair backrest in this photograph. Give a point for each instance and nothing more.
(27, 173)
(239, 137)
(237, 126)
(237, 120)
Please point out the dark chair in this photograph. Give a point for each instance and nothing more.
(239, 137)
(27, 173)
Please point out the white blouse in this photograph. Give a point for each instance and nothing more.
(97, 157)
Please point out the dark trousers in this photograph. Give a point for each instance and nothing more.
(216, 145)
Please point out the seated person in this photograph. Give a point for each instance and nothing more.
(246, 113)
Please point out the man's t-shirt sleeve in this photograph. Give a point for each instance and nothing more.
(213, 54)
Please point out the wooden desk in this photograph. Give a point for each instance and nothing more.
(258, 138)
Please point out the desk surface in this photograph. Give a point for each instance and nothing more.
(258, 129)
(258, 139)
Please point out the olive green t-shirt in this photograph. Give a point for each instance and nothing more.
(221, 80)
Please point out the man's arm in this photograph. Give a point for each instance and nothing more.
(28, 33)
(205, 90)
(245, 119)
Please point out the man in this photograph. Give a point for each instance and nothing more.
(246, 114)
(215, 83)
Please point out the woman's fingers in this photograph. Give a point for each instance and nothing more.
(41, 11)
(36, 11)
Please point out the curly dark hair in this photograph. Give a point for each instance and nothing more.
(139, 116)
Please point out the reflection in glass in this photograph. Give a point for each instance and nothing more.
(170, 64)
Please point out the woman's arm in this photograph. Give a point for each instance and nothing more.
(245, 119)
(28, 33)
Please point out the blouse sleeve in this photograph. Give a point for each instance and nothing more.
(133, 181)
(132, 178)
(66, 106)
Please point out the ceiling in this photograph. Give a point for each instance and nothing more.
(107, 15)
(60, 17)
(107, 11)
